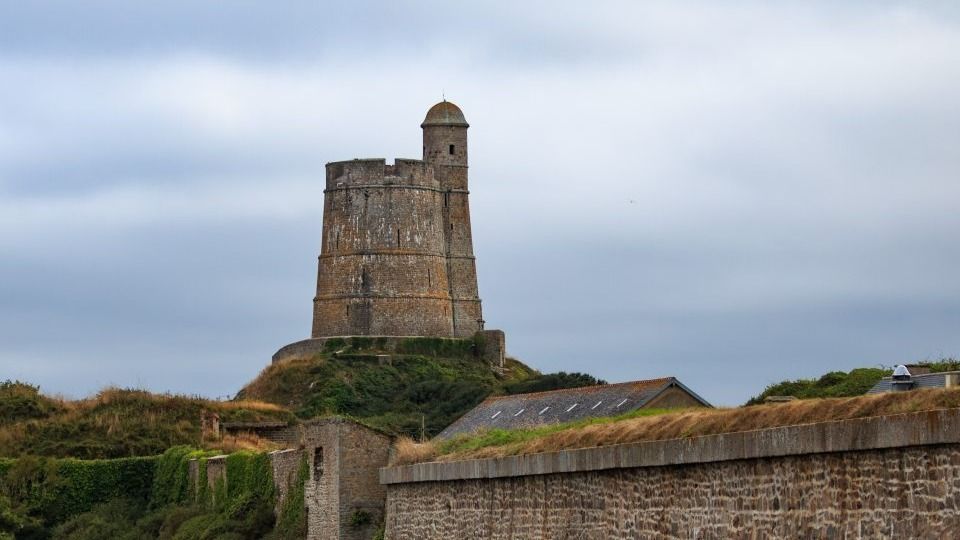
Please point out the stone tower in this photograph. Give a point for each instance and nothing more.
(397, 253)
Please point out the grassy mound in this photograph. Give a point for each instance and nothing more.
(114, 423)
(433, 381)
(647, 426)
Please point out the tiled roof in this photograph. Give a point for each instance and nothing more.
(556, 406)
(924, 380)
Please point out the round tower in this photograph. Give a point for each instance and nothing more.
(445, 151)
(397, 253)
(382, 269)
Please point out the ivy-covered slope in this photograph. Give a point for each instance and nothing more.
(433, 381)
(146, 497)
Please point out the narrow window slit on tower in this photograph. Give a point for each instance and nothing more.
(429, 278)
(317, 462)
(398, 237)
(451, 149)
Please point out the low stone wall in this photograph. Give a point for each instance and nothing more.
(285, 465)
(308, 348)
(889, 477)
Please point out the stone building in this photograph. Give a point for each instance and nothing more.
(343, 495)
(569, 404)
(397, 253)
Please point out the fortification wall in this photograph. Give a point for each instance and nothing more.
(285, 465)
(344, 498)
(889, 477)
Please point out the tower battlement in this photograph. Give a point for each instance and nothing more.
(377, 172)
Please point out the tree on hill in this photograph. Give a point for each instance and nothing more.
(552, 381)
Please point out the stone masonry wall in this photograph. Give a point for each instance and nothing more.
(322, 491)
(365, 452)
(893, 477)
(286, 465)
(344, 489)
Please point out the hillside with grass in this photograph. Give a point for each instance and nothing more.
(114, 423)
(856, 382)
(420, 382)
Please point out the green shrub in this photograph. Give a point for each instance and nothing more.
(833, 384)
(360, 518)
(22, 401)
(54, 490)
(552, 381)
(113, 520)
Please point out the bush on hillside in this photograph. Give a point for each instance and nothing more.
(552, 381)
(833, 384)
(22, 401)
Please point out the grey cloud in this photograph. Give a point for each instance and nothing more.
(733, 194)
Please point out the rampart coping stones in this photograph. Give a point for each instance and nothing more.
(897, 431)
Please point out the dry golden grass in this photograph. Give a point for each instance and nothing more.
(406, 450)
(242, 441)
(249, 404)
(114, 395)
(688, 423)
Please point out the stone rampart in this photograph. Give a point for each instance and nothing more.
(886, 477)
(284, 463)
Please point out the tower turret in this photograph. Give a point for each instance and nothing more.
(445, 135)
(445, 150)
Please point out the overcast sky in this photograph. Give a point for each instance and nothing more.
(732, 193)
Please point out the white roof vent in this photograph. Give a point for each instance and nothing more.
(901, 379)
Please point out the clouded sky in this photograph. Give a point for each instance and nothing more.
(732, 193)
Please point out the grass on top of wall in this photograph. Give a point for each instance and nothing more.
(674, 425)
